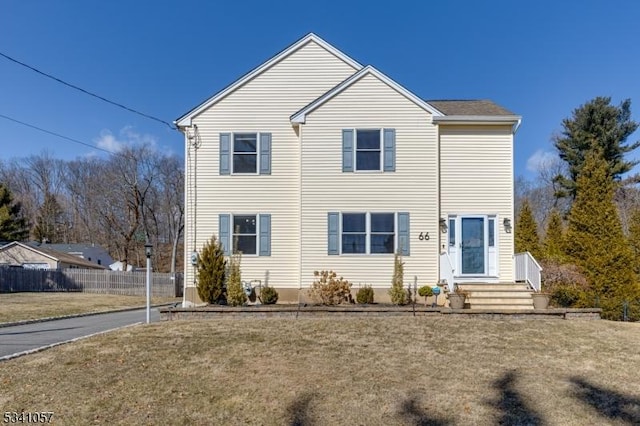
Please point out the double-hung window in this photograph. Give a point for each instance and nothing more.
(245, 153)
(249, 234)
(368, 150)
(368, 233)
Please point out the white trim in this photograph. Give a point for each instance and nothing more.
(232, 172)
(232, 233)
(185, 120)
(513, 120)
(301, 116)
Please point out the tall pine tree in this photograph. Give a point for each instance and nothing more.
(13, 225)
(597, 123)
(634, 238)
(526, 232)
(595, 241)
(553, 244)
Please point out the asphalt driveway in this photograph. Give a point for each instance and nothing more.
(21, 339)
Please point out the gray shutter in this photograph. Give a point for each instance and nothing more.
(265, 235)
(347, 150)
(389, 150)
(225, 153)
(403, 233)
(332, 228)
(265, 153)
(224, 235)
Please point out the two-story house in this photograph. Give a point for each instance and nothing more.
(312, 161)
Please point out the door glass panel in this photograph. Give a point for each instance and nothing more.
(473, 245)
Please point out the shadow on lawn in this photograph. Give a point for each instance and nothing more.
(608, 403)
(298, 411)
(514, 409)
(416, 415)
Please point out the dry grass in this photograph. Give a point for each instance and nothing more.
(25, 306)
(347, 371)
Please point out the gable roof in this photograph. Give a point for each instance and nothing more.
(301, 115)
(185, 120)
(55, 255)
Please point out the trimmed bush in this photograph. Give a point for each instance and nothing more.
(211, 272)
(235, 293)
(268, 295)
(365, 295)
(328, 289)
(425, 291)
(397, 291)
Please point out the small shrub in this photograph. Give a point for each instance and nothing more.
(268, 295)
(365, 295)
(235, 293)
(211, 272)
(425, 291)
(566, 284)
(397, 291)
(328, 289)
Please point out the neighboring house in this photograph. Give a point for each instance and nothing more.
(119, 266)
(90, 252)
(26, 256)
(313, 161)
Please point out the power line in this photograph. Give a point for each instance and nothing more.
(87, 92)
(57, 134)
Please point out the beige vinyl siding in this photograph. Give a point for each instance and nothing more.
(369, 104)
(264, 104)
(477, 178)
(17, 256)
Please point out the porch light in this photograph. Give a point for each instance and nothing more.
(443, 226)
(507, 225)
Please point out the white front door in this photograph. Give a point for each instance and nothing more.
(472, 245)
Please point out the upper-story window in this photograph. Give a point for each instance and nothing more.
(245, 153)
(368, 150)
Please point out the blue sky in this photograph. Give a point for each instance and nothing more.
(539, 59)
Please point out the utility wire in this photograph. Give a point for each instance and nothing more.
(88, 92)
(57, 134)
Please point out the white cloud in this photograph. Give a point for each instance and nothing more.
(540, 159)
(109, 142)
(127, 137)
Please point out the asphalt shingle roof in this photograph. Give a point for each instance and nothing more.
(469, 107)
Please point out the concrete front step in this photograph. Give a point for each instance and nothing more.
(510, 296)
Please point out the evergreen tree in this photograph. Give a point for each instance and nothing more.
(553, 244)
(235, 293)
(397, 292)
(211, 272)
(597, 123)
(595, 241)
(634, 238)
(13, 226)
(526, 232)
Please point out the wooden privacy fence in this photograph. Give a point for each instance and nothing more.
(89, 281)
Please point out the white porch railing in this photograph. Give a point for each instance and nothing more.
(446, 270)
(528, 270)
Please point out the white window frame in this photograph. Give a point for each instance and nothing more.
(380, 150)
(233, 153)
(369, 233)
(233, 234)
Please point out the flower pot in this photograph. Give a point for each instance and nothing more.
(456, 301)
(540, 300)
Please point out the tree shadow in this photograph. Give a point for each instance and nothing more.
(298, 411)
(416, 415)
(608, 403)
(514, 410)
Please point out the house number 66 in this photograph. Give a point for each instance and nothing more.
(424, 236)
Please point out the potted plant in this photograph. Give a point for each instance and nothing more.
(457, 298)
(541, 299)
(425, 291)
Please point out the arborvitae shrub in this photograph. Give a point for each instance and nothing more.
(397, 291)
(235, 293)
(211, 272)
(526, 232)
(365, 295)
(328, 289)
(268, 295)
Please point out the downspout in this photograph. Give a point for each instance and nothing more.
(300, 212)
(440, 234)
